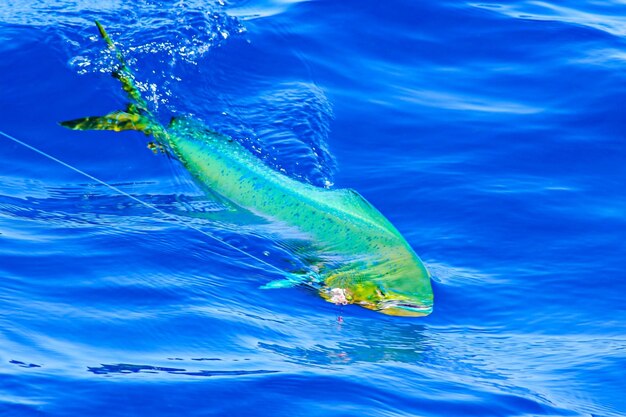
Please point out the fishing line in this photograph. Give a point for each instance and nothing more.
(150, 206)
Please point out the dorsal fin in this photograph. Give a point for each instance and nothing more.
(351, 201)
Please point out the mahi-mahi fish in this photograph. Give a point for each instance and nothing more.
(360, 257)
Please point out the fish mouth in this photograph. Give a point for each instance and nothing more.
(404, 308)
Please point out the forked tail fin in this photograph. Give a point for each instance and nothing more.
(135, 117)
(117, 121)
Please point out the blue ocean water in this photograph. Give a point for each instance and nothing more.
(491, 134)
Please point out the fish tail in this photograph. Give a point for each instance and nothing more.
(136, 116)
(123, 72)
(116, 121)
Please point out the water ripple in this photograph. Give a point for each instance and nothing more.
(606, 17)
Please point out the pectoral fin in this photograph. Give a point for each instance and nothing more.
(292, 280)
(279, 284)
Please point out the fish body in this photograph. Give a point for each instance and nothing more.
(357, 250)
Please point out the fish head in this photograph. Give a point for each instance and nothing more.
(391, 294)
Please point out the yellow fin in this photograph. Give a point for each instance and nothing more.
(117, 121)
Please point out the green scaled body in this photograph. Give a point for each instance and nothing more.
(359, 256)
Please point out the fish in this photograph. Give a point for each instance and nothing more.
(355, 256)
